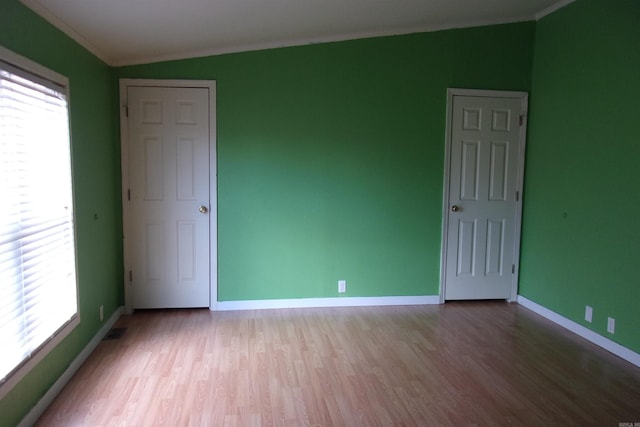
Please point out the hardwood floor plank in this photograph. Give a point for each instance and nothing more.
(472, 363)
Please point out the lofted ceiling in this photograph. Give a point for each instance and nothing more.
(123, 32)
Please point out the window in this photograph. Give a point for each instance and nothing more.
(38, 289)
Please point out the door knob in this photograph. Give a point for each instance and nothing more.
(455, 208)
(203, 209)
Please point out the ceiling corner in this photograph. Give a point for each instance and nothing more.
(549, 10)
(54, 20)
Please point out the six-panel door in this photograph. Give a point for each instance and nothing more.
(485, 144)
(169, 176)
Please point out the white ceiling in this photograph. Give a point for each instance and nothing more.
(122, 32)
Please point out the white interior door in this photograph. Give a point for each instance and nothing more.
(482, 216)
(169, 207)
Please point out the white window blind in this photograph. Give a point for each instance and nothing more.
(38, 292)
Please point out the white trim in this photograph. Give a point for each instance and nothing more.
(601, 341)
(38, 356)
(124, 166)
(34, 68)
(46, 400)
(524, 111)
(549, 10)
(213, 198)
(327, 302)
(54, 20)
(523, 96)
(445, 196)
(213, 180)
(315, 40)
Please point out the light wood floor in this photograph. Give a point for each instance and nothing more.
(458, 364)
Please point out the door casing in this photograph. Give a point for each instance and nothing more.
(451, 93)
(126, 218)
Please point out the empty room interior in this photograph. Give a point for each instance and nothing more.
(293, 213)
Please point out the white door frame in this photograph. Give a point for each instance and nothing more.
(213, 174)
(523, 96)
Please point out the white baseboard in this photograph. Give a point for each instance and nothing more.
(37, 411)
(609, 345)
(326, 302)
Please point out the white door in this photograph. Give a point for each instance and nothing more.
(169, 208)
(482, 212)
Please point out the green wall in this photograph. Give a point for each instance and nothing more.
(97, 189)
(330, 164)
(578, 246)
(330, 157)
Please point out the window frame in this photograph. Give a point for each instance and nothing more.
(43, 73)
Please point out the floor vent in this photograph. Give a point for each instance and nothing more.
(115, 333)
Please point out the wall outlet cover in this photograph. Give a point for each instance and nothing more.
(611, 325)
(342, 286)
(588, 314)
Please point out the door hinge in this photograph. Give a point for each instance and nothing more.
(126, 110)
(517, 196)
(513, 269)
(131, 275)
(128, 194)
(521, 119)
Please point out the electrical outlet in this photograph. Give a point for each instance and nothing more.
(611, 325)
(588, 314)
(342, 286)
(101, 310)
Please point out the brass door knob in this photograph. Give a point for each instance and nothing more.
(203, 209)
